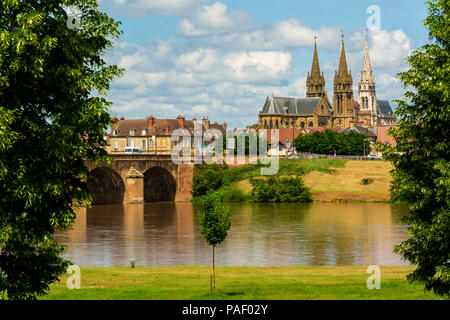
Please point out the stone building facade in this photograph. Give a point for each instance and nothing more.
(316, 110)
(152, 135)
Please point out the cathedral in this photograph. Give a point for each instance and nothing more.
(316, 110)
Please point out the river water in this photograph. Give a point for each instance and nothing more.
(168, 234)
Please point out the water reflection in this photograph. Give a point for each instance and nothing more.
(167, 234)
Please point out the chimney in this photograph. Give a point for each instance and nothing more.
(114, 120)
(181, 121)
(122, 118)
(224, 126)
(194, 119)
(205, 123)
(150, 122)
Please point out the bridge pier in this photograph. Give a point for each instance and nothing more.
(185, 178)
(134, 186)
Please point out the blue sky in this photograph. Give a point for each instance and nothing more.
(222, 58)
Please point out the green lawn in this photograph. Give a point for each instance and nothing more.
(303, 166)
(239, 283)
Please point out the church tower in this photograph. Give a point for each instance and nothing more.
(315, 82)
(367, 97)
(343, 104)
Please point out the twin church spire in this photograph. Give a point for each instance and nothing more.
(343, 103)
(315, 80)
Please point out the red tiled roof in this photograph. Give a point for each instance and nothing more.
(160, 126)
(283, 135)
(384, 137)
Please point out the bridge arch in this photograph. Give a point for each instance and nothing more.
(106, 186)
(159, 185)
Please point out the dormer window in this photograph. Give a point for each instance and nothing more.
(131, 132)
(144, 132)
(116, 132)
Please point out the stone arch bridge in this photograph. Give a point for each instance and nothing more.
(140, 178)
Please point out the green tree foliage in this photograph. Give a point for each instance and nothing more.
(283, 189)
(326, 142)
(207, 178)
(421, 157)
(51, 121)
(215, 221)
(210, 177)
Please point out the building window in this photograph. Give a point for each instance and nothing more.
(302, 124)
(144, 144)
(116, 144)
(311, 124)
(131, 132)
(144, 133)
(265, 124)
(116, 132)
(270, 124)
(276, 123)
(321, 124)
(128, 141)
(322, 108)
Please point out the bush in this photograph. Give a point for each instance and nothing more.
(233, 194)
(285, 189)
(366, 180)
(211, 177)
(207, 178)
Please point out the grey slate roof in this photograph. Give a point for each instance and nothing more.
(366, 131)
(384, 108)
(280, 105)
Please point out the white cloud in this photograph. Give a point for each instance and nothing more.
(282, 35)
(214, 19)
(389, 49)
(202, 60)
(228, 87)
(258, 66)
(388, 87)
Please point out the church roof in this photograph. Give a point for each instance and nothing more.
(384, 108)
(280, 105)
(360, 129)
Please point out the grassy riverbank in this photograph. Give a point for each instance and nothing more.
(298, 283)
(329, 180)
